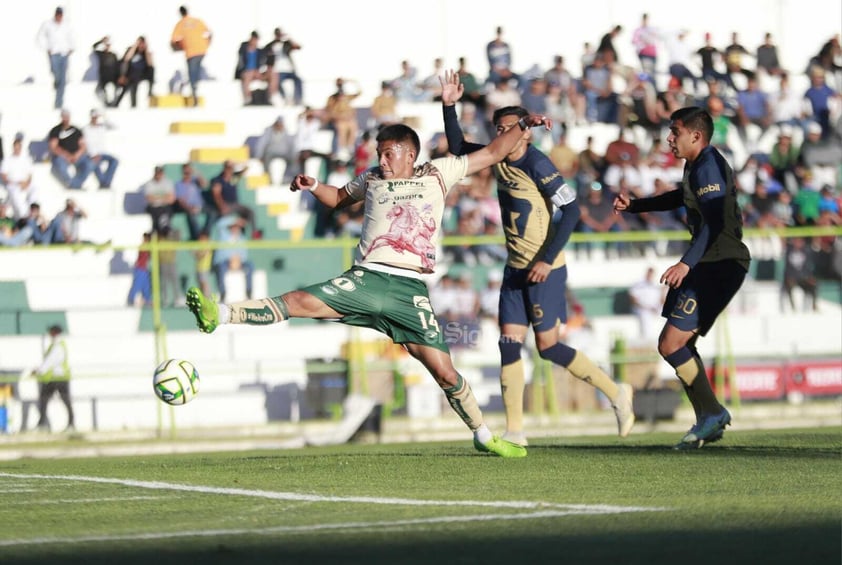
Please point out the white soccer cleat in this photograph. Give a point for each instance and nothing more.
(624, 409)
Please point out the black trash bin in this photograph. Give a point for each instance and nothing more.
(327, 386)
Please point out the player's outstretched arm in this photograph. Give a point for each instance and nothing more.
(329, 195)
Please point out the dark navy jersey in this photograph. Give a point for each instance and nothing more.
(524, 189)
(713, 214)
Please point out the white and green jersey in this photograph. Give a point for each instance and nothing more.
(402, 224)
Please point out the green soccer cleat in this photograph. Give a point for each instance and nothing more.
(501, 447)
(204, 309)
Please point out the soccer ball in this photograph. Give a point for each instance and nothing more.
(176, 381)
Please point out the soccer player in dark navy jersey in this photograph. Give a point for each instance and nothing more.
(709, 273)
(529, 189)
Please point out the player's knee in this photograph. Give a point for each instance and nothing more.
(509, 350)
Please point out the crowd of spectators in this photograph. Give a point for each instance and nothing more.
(792, 181)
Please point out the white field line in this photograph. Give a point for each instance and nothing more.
(83, 500)
(541, 510)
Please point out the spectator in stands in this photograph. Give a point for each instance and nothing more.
(141, 281)
(407, 86)
(598, 216)
(159, 193)
(711, 58)
(645, 41)
(799, 272)
(349, 220)
(819, 96)
(786, 104)
(474, 92)
(16, 174)
(601, 104)
(647, 299)
(680, 57)
(534, 99)
(136, 66)
(820, 156)
(365, 154)
(471, 122)
(733, 53)
(68, 148)
(489, 296)
(564, 158)
(606, 51)
(13, 233)
(168, 268)
(282, 67)
(188, 198)
(64, 228)
(753, 108)
(783, 158)
(38, 225)
(562, 109)
(277, 143)
(431, 84)
(591, 166)
(341, 117)
(721, 127)
(622, 148)
(805, 204)
(384, 106)
(309, 124)
(437, 146)
(95, 138)
(767, 57)
(53, 376)
(229, 229)
(502, 95)
(56, 37)
(665, 220)
(108, 71)
(499, 56)
(225, 198)
(192, 36)
(829, 57)
(251, 62)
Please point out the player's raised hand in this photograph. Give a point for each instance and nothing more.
(451, 88)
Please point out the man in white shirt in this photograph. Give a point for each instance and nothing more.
(16, 174)
(95, 133)
(56, 37)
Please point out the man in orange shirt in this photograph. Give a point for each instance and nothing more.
(192, 36)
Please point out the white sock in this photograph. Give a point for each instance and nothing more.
(224, 313)
(483, 434)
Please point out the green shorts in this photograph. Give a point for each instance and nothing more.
(395, 305)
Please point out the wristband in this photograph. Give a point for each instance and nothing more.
(315, 186)
(521, 123)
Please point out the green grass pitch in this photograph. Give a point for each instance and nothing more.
(764, 497)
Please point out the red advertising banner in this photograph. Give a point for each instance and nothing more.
(773, 381)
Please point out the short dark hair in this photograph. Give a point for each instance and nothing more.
(183, 10)
(399, 133)
(695, 118)
(499, 113)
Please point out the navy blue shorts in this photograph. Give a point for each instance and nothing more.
(542, 305)
(706, 291)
